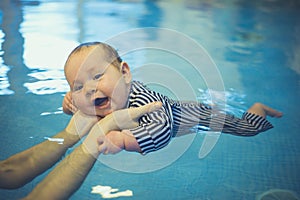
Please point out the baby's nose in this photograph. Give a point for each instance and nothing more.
(90, 88)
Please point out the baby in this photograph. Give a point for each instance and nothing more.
(101, 83)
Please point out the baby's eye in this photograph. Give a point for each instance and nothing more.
(77, 87)
(97, 76)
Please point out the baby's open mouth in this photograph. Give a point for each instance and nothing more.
(100, 101)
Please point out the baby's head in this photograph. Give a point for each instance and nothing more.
(99, 80)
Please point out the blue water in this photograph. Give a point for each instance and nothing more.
(254, 44)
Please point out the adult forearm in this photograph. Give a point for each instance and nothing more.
(66, 178)
(23, 167)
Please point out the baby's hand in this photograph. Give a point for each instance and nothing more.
(111, 143)
(67, 105)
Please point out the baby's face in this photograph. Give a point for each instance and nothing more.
(98, 88)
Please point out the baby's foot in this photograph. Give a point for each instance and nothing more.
(271, 112)
(264, 111)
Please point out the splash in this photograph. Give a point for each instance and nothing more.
(234, 101)
(230, 102)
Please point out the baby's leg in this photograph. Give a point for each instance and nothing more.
(263, 110)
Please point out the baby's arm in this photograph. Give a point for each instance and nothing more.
(121, 140)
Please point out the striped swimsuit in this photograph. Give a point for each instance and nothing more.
(156, 129)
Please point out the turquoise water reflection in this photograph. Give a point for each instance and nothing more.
(255, 45)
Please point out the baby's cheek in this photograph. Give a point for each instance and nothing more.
(84, 106)
(79, 102)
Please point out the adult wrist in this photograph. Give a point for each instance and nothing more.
(68, 139)
(88, 151)
(80, 124)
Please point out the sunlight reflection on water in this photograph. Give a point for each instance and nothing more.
(45, 55)
(4, 82)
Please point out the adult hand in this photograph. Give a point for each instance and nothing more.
(118, 120)
(80, 124)
(127, 118)
(68, 106)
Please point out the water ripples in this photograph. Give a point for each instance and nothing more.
(48, 82)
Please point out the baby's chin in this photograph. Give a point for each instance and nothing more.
(90, 112)
(103, 113)
(98, 112)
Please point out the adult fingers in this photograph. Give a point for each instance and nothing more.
(73, 108)
(136, 113)
(69, 102)
(102, 144)
(80, 124)
(128, 118)
(102, 149)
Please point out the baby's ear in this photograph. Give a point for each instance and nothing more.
(125, 69)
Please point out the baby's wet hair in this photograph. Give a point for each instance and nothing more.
(111, 54)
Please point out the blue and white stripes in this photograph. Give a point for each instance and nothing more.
(157, 128)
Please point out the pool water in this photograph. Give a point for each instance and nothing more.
(255, 46)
